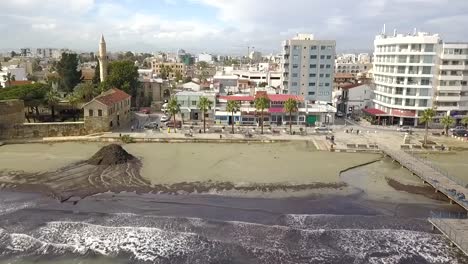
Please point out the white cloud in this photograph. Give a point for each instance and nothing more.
(234, 24)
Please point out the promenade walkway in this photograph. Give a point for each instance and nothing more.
(453, 227)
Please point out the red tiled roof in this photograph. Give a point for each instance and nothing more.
(237, 98)
(112, 96)
(17, 83)
(284, 97)
(375, 112)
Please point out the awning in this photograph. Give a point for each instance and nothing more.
(275, 110)
(375, 112)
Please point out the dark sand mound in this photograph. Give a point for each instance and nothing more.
(110, 155)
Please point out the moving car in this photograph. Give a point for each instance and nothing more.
(171, 124)
(460, 133)
(165, 118)
(457, 128)
(339, 114)
(323, 129)
(405, 129)
(152, 125)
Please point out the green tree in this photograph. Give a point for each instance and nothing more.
(31, 77)
(262, 84)
(97, 74)
(202, 65)
(261, 103)
(67, 69)
(465, 121)
(52, 99)
(85, 92)
(74, 101)
(290, 106)
(426, 118)
(35, 65)
(233, 107)
(123, 75)
(447, 121)
(178, 76)
(204, 105)
(173, 108)
(165, 72)
(8, 78)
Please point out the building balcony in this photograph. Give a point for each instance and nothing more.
(454, 67)
(454, 56)
(452, 77)
(443, 98)
(450, 88)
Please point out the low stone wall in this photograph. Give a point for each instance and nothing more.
(39, 130)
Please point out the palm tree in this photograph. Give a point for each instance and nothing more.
(426, 118)
(52, 99)
(9, 78)
(261, 103)
(290, 106)
(74, 101)
(233, 107)
(465, 121)
(204, 105)
(173, 108)
(447, 121)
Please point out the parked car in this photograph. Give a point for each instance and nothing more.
(339, 114)
(457, 128)
(171, 124)
(152, 125)
(460, 133)
(165, 118)
(405, 129)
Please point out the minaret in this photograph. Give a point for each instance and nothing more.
(102, 59)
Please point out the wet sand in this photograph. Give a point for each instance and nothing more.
(455, 163)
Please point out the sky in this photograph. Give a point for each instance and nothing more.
(220, 26)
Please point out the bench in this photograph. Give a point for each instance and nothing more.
(351, 145)
(218, 130)
(417, 147)
(405, 147)
(373, 146)
(362, 146)
(275, 132)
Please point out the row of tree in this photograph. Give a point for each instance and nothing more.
(261, 103)
(447, 121)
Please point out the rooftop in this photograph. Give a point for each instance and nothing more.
(112, 96)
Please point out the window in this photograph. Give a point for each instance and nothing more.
(313, 66)
(321, 84)
(322, 57)
(311, 84)
(294, 83)
(463, 83)
(313, 47)
(311, 93)
(295, 66)
(295, 47)
(329, 57)
(327, 84)
(322, 66)
(99, 112)
(294, 75)
(295, 57)
(322, 47)
(328, 66)
(321, 75)
(91, 112)
(194, 103)
(327, 75)
(312, 75)
(313, 57)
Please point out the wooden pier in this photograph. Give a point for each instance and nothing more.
(453, 189)
(455, 229)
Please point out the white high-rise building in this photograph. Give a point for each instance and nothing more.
(404, 71)
(452, 89)
(308, 67)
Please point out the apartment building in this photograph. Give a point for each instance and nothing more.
(451, 97)
(173, 68)
(308, 67)
(404, 71)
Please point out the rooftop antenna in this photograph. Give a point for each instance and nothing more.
(394, 32)
(383, 31)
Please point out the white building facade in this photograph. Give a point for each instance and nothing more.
(451, 96)
(308, 67)
(404, 71)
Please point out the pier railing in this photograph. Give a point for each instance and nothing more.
(438, 169)
(443, 222)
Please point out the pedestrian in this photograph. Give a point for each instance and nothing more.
(357, 131)
(132, 128)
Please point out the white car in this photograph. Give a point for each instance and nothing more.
(457, 128)
(165, 118)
